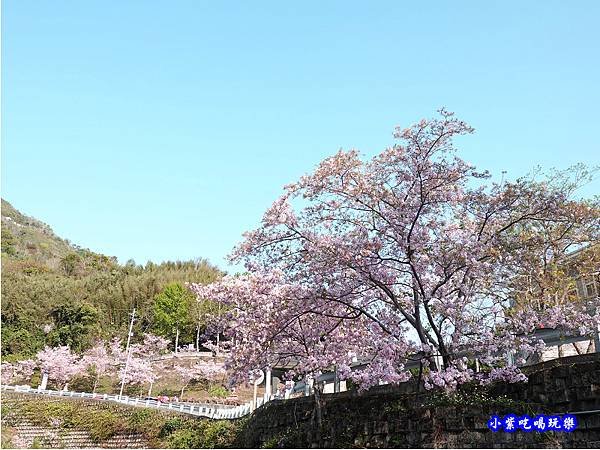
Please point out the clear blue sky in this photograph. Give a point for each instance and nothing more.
(162, 130)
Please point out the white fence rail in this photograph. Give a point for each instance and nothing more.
(195, 409)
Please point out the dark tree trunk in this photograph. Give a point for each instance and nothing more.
(318, 411)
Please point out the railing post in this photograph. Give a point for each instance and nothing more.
(268, 383)
(510, 358)
(289, 390)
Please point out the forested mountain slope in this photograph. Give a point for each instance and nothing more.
(56, 293)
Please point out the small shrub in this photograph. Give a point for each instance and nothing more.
(219, 434)
(185, 438)
(271, 442)
(479, 396)
(218, 391)
(170, 426)
(101, 425)
(82, 383)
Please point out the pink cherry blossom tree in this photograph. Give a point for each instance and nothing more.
(211, 370)
(59, 363)
(116, 350)
(186, 375)
(139, 372)
(412, 254)
(7, 373)
(18, 371)
(203, 370)
(24, 369)
(151, 346)
(98, 359)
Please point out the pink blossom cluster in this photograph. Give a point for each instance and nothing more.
(18, 371)
(510, 374)
(103, 358)
(447, 379)
(410, 254)
(59, 363)
(200, 371)
(139, 371)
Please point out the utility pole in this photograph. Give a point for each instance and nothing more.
(128, 353)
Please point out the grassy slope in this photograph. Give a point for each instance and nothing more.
(102, 420)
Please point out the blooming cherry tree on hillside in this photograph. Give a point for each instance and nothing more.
(7, 372)
(139, 372)
(412, 254)
(24, 369)
(98, 359)
(210, 370)
(200, 371)
(18, 371)
(59, 363)
(151, 346)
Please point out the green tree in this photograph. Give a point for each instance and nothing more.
(20, 343)
(171, 309)
(71, 263)
(75, 325)
(8, 242)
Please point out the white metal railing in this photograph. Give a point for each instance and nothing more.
(195, 409)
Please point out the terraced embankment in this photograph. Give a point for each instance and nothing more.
(32, 420)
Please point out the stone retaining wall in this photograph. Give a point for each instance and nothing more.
(395, 416)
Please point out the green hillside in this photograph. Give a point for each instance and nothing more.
(25, 238)
(56, 293)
